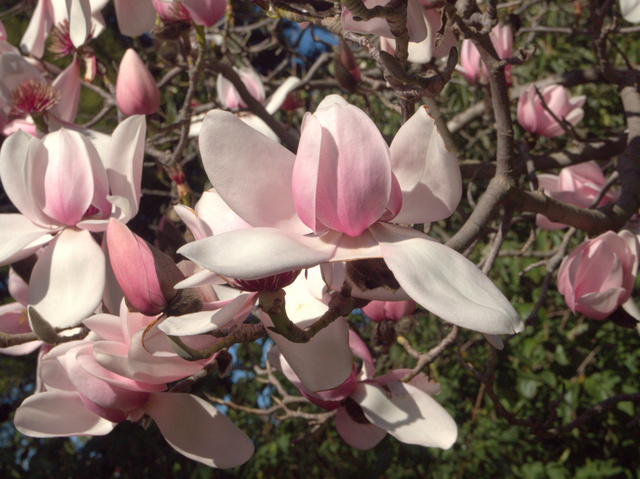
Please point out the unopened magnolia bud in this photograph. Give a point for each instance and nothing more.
(145, 274)
(136, 90)
(346, 69)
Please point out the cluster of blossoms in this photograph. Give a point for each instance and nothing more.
(279, 239)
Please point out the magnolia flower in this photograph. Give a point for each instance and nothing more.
(88, 391)
(230, 97)
(24, 92)
(306, 301)
(416, 24)
(335, 201)
(473, 68)
(577, 185)
(64, 191)
(424, 51)
(3, 33)
(388, 310)
(534, 118)
(84, 17)
(630, 10)
(136, 90)
(599, 275)
(370, 407)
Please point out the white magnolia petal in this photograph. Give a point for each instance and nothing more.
(630, 10)
(410, 415)
(68, 280)
(259, 124)
(124, 161)
(325, 362)
(234, 156)
(195, 428)
(428, 173)
(280, 95)
(360, 436)
(445, 282)
(257, 252)
(79, 13)
(202, 322)
(19, 237)
(37, 31)
(59, 414)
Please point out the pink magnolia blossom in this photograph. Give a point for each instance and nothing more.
(370, 407)
(63, 190)
(24, 92)
(598, 276)
(230, 97)
(336, 200)
(534, 118)
(84, 17)
(473, 68)
(577, 185)
(271, 105)
(630, 10)
(416, 25)
(92, 385)
(388, 310)
(424, 51)
(136, 90)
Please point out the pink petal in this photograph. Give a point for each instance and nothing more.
(68, 180)
(37, 31)
(198, 430)
(68, 84)
(136, 89)
(342, 170)
(428, 173)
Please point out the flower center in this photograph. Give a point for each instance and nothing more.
(34, 97)
(61, 44)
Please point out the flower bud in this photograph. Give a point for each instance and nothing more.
(598, 276)
(534, 118)
(146, 275)
(136, 90)
(388, 310)
(346, 69)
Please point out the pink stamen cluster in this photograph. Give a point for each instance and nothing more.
(34, 96)
(61, 44)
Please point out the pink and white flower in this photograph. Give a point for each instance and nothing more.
(534, 118)
(136, 90)
(13, 316)
(369, 407)
(64, 191)
(84, 17)
(335, 201)
(577, 185)
(92, 385)
(473, 68)
(599, 275)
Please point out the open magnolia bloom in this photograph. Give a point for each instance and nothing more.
(369, 407)
(24, 91)
(110, 377)
(84, 17)
(335, 201)
(65, 190)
